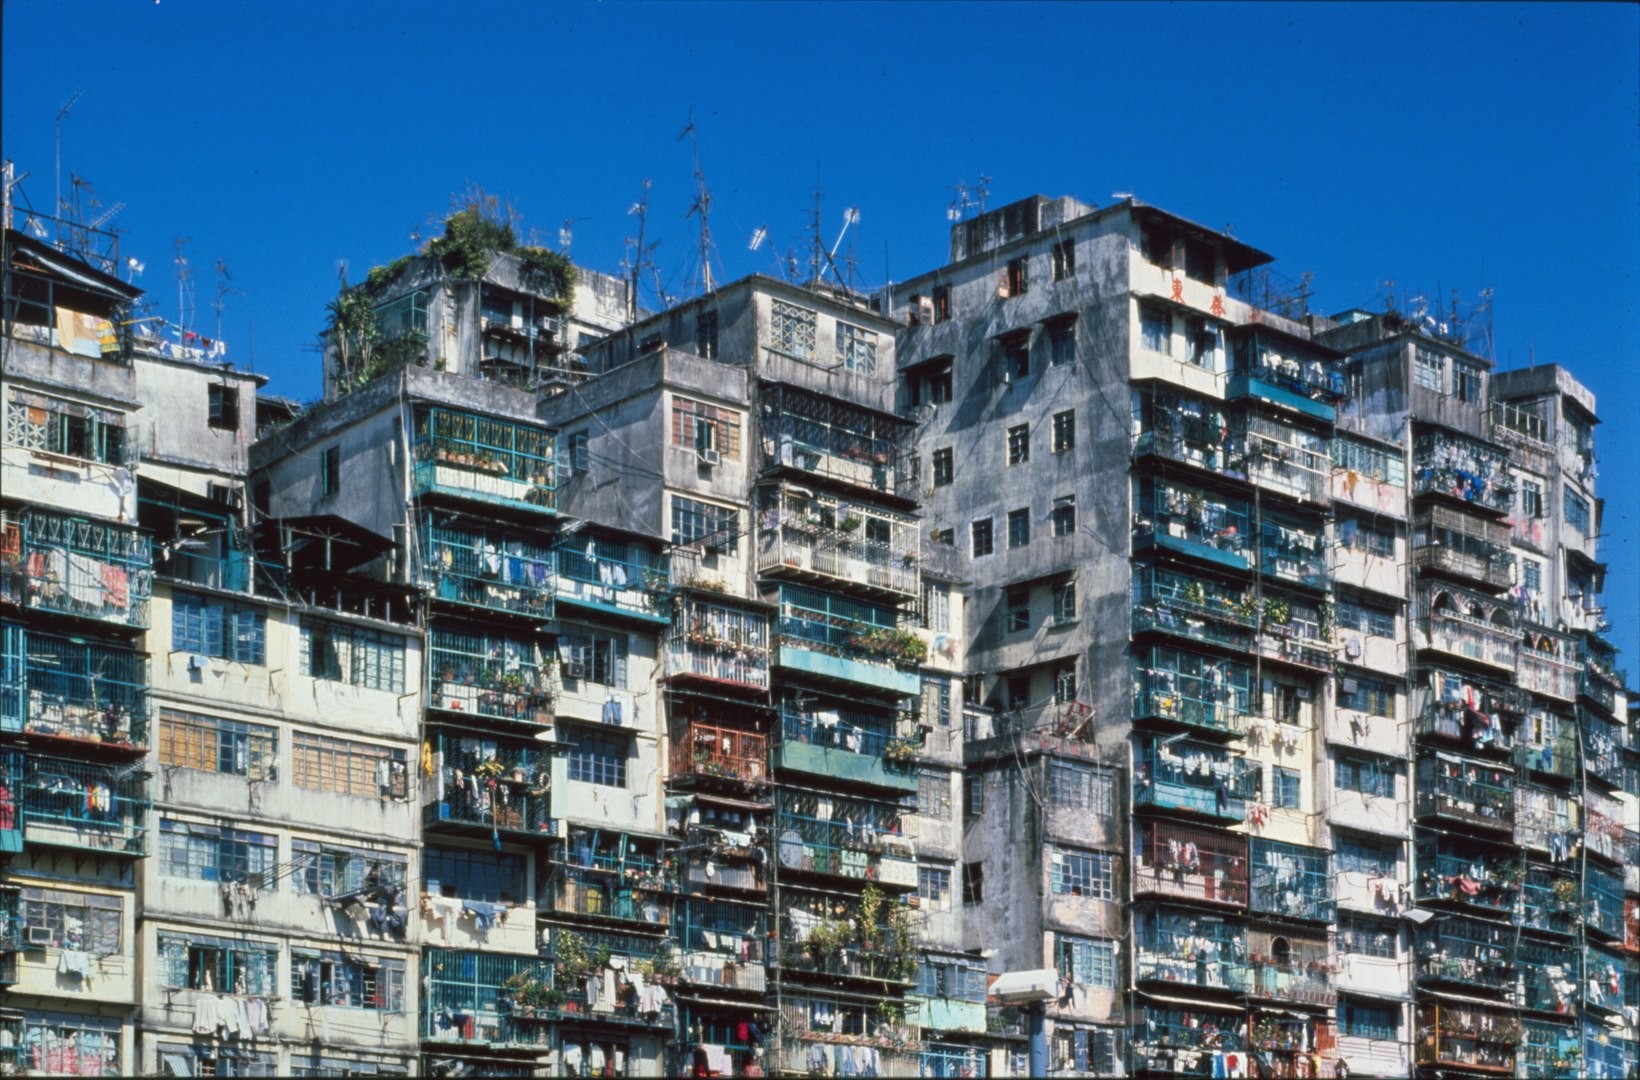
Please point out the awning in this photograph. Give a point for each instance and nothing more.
(1465, 999)
(724, 800)
(725, 1003)
(1191, 1003)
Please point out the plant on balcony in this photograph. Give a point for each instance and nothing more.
(1278, 610)
(1564, 891)
(900, 752)
(849, 523)
(489, 769)
(570, 950)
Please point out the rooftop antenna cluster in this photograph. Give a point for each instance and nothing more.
(968, 198)
(702, 206)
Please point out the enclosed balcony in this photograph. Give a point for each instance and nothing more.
(1467, 549)
(709, 752)
(843, 743)
(1186, 429)
(721, 644)
(482, 566)
(1288, 1046)
(88, 692)
(91, 570)
(1293, 969)
(1603, 834)
(842, 640)
(488, 999)
(816, 940)
(1190, 521)
(1456, 871)
(1467, 626)
(489, 786)
(1547, 665)
(1552, 899)
(611, 577)
(843, 838)
(1192, 691)
(11, 934)
(1463, 470)
(1204, 952)
(1466, 952)
(831, 440)
(1194, 777)
(1284, 370)
(1291, 633)
(500, 462)
(836, 545)
(1190, 862)
(75, 804)
(1459, 1035)
(1549, 976)
(488, 672)
(1177, 1038)
(1600, 680)
(1466, 790)
(1550, 1050)
(1287, 460)
(1554, 753)
(577, 891)
(1608, 974)
(1167, 601)
(1291, 881)
(1294, 551)
(1603, 903)
(1603, 744)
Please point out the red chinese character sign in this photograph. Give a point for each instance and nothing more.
(1218, 305)
(1178, 289)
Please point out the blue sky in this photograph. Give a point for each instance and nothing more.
(1451, 147)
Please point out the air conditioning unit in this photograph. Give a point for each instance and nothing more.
(708, 456)
(39, 936)
(549, 325)
(574, 669)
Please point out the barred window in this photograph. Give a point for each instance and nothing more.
(473, 875)
(936, 700)
(598, 759)
(354, 655)
(217, 854)
(1082, 787)
(330, 978)
(197, 962)
(213, 744)
(91, 1042)
(1361, 856)
(1366, 695)
(1085, 961)
(856, 348)
(1372, 537)
(601, 660)
(1083, 873)
(85, 922)
(1429, 370)
(1367, 775)
(1064, 602)
(1019, 444)
(1366, 936)
(213, 628)
(936, 607)
(1370, 461)
(1577, 511)
(1369, 619)
(693, 522)
(984, 542)
(327, 870)
(698, 426)
(1284, 793)
(792, 329)
(345, 767)
(1369, 1020)
(934, 793)
(1063, 257)
(188, 1059)
(1019, 527)
(1064, 515)
(934, 887)
(56, 426)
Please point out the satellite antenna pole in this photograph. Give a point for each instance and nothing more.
(222, 279)
(8, 180)
(702, 205)
(641, 208)
(57, 191)
(815, 262)
(183, 274)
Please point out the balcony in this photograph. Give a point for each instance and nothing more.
(1602, 748)
(485, 786)
(1460, 1036)
(1291, 881)
(861, 841)
(1175, 1039)
(1557, 757)
(836, 639)
(1188, 606)
(1192, 691)
(611, 578)
(1547, 665)
(812, 1055)
(723, 944)
(1466, 790)
(1462, 470)
(579, 892)
(11, 934)
(1603, 903)
(487, 999)
(94, 808)
(814, 945)
(1201, 951)
(1295, 553)
(1194, 777)
(831, 440)
(1551, 901)
(847, 745)
(1190, 863)
(486, 568)
(1448, 872)
(717, 872)
(485, 459)
(1297, 644)
(1445, 631)
(1470, 549)
(1285, 371)
(1549, 1052)
(73, 689)
(1297, 982)
(720, 644)
(70, 566)
(1189, 522)
(488, 673)
(864, 550)
(1549, 979)
(1466, 952)
(1285, 460)
(711, 753)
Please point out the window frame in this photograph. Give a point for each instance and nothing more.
(1017, 609)
(190, 740)
(1064, 431)
(1093, 872)
(598, 758)
(330, 472)
(1019, 527)
(1062, 255)
(222, 407)
(1019, 444)
(943, 465)
(1063, 516)
(982, 533)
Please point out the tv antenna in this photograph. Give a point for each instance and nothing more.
(638, 256)
(968, 198)
(185, 281)
(57, 191)
(702, 204)
(222, 290)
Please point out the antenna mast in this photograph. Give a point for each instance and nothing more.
(222, 290)
(702, 205)
(639, 255)
(184, 282)
(57, 191)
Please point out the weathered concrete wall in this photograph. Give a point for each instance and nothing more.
(173, 426)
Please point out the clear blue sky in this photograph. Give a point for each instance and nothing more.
(1455, 146)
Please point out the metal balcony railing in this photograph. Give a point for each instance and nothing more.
(484, 458)
(71, 688)
(73, 566)
(724, 753)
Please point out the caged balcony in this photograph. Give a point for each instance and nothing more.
(1548, 980)
(1203, 952)
(1286, 371)
(71, 688)
(1291, 969)
(712, 752)
(832, 440)
(489, 786)
(1466, 790)
(844, 838)
(487, 999)
(1470, 953)
(612, 577)
(500, 462)
(480, 566)
(1192, 691)
(1186, 429)
(854, 744)
(1462, 469)
(74, 804)
(1547, 665)
(1287, 460)
(1461, 1036)
(1469, 549)
(723, 644)
(71, 566)
(1294, 552)
(1189, 521)
(1456, 871)
(837, 545)
(1189, 606)
(1178, 1038)
(488, 673)
(723, 944)
(1190, 863)
(845, 640)
(1191, 776)
(1291, 881)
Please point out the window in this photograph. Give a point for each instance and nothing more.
(1064, 683)
(1085, 961)
(1019, 609)
(697, 426)
(973, 795)
(936, 700)
(1154, 329)
(1064, 431)
(1285, 795)
(212, 744)
(1013, 281)
(934, 793)
(930, 383)
(1367, 1020)
(1075, 786)
(973, 882)
(1016, 359)
(198, 962)
(1366, 535)
(1019, 527)
(186, 1059)
(473, 874)
(981, 531)
(1018, 689)
(580, 453)
(345, 767)
(358, 982)
(856, 348)
(598, 759)
(1466, 382)
(1366, 936)
(1531, 573)
(213, 628)
(1083, 873)
(601, 660)
(695, 522)
(91, 1043)
(327, 870)
(1366, 695)
(330, 472)
(706, 335)
(1577, 511)
(1429, 370)
(1062, 346)
(936, 607)
(1063, 257)
(1356, 855)
(948, 537)
(1063, 515)
(1064, 602)
(878, 531)
(85, 922)
(1531, 499)
(944, 467)
(934, 888)
(942, 303)
(217, 854)
(54, 426)
(1363, 618)
(1367, 775)
(1019, 444)
(223, 407)
(792, 329)
(353, 655)
(1370, 461)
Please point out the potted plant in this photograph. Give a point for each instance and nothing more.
(849, 523)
